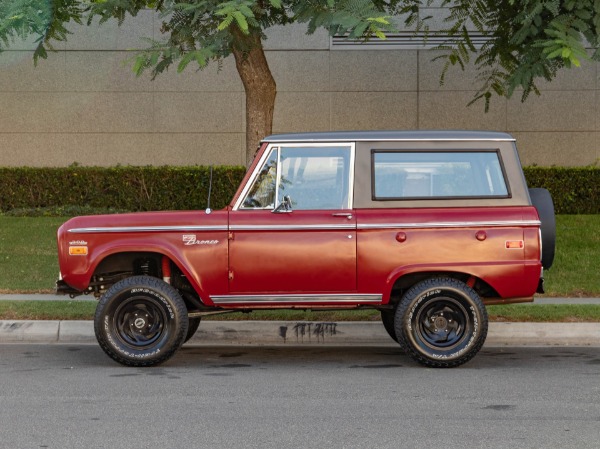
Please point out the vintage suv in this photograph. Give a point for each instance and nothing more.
(426, 227)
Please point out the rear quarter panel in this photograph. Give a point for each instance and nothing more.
(444, 240)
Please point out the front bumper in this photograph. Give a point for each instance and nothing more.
(62, 288)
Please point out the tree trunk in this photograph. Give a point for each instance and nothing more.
(260, 89)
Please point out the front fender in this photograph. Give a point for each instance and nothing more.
(205, 266)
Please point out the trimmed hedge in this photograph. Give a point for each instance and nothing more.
(574, 190)
(118, 188)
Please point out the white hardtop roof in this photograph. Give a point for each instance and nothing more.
(405, 136)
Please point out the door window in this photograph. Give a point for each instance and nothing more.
(313, 177)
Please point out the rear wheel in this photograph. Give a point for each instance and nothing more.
(141, 321)
(441, 322)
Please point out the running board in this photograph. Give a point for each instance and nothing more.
(297, 299)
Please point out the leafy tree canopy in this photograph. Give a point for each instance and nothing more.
(43, 20)
(528, 40)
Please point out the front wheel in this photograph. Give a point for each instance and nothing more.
(441, 322)
(141, 321)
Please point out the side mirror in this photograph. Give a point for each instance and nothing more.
(285, 207)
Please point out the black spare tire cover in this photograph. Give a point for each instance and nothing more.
(542, 201)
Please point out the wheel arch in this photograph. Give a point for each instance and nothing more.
(405, 280)
(131, 262)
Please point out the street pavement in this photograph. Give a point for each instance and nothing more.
(306, 333)
(72, 396)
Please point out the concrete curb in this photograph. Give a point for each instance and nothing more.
(29, 331)
(306, 333)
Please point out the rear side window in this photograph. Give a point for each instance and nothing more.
(435, 174)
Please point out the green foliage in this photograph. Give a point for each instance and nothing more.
(529, 40)
(575, 190)
(21, 18)
(352, 18)
(44, 20)
(89, 190)
(201, 31)
(43, 191)
(69, 210)
(193, 30)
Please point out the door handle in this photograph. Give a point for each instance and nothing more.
(348, 215)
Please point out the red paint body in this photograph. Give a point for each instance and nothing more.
(365, 261)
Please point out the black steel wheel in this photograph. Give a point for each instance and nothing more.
(141, 321)
(441, 322)
(193, 324)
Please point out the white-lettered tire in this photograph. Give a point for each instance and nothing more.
(441, 322)
(141, 321)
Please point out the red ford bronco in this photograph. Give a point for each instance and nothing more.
(426, 227)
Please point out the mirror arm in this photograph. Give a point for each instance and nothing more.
(285, 207)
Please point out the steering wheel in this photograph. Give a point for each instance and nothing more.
(252, 202)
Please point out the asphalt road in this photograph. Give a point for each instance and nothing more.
(73, 396)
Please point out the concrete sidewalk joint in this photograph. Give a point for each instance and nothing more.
(306, 333)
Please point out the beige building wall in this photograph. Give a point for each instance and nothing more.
(83, 105)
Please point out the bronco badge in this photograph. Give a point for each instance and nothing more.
(190, 239)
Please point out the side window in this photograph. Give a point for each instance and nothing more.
(431, 174)
(314, 177)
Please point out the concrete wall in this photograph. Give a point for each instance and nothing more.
(84, 105)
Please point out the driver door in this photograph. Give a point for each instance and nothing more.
(294, 231)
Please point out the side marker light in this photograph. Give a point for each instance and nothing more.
(78, 250)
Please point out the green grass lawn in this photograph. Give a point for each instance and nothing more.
(575, 271)
(28, 254)
(28, 260)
